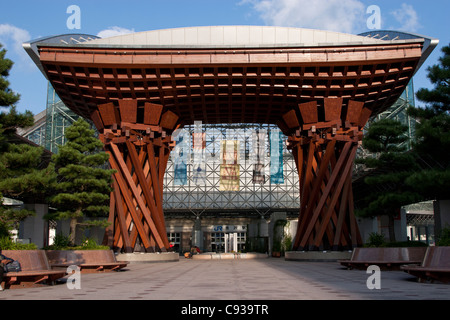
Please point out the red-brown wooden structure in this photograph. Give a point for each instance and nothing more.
(320, 96)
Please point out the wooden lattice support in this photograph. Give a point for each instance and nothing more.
(139, 153)
(324, 146)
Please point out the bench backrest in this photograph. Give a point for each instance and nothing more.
(78, 257)
(389, 254)
(367, 254)
(437, 257)
(96, 256)
(30, 260)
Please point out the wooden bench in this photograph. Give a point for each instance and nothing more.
(87, 260)
(385, 258)
(435, 266)
(35, 269)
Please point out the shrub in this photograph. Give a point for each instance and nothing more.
(444, 239)
(287, 243)
(62, 242)
(276, 246)
(91, 244)
(400, 244)
(7, 244)
(4, 231)
(378, 240)
(375, 240)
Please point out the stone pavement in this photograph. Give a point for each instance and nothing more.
(258, 279)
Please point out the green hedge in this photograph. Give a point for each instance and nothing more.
(444, 239)
(7, 244)
(377, 240)
(404, 244)
(62, 242)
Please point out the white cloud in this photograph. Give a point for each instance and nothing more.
(14, 37)
(334, 15)
(114, 31)
(407, 17)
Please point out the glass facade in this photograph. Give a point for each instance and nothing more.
(174, 240)
(255, 189)
(398, 112)
(37, 134)
(58, 118)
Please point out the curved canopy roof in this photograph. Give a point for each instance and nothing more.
(392, 35)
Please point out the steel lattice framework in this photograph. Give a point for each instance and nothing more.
(206, 196)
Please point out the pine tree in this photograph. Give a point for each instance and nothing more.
(438, 98)
(18, 175)
(22, 175)
(11, 120)
(433, 133)
(7, 97)
(84, 185)
(22, 178)
(392, 164)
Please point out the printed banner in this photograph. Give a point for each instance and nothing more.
(198, 147)
(229, 152)
(229, 165)
(258, 155)
(276, 157)
(229, 177)
(180, 157)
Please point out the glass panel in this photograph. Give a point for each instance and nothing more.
(58, 118)
(182, 192)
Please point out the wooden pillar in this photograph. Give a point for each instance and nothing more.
(139, 153)
(324, 145)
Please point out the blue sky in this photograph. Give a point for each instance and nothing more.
(24, 20)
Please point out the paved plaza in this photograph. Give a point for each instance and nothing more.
(258, 279)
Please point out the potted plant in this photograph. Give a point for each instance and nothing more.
(276, 249)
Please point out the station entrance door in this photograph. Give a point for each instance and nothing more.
(228, 239)
(231, 242)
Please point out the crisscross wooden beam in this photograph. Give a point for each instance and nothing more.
(324, 147)
(139, 150)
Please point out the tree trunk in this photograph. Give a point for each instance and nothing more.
(73, 230)
(391, 229)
